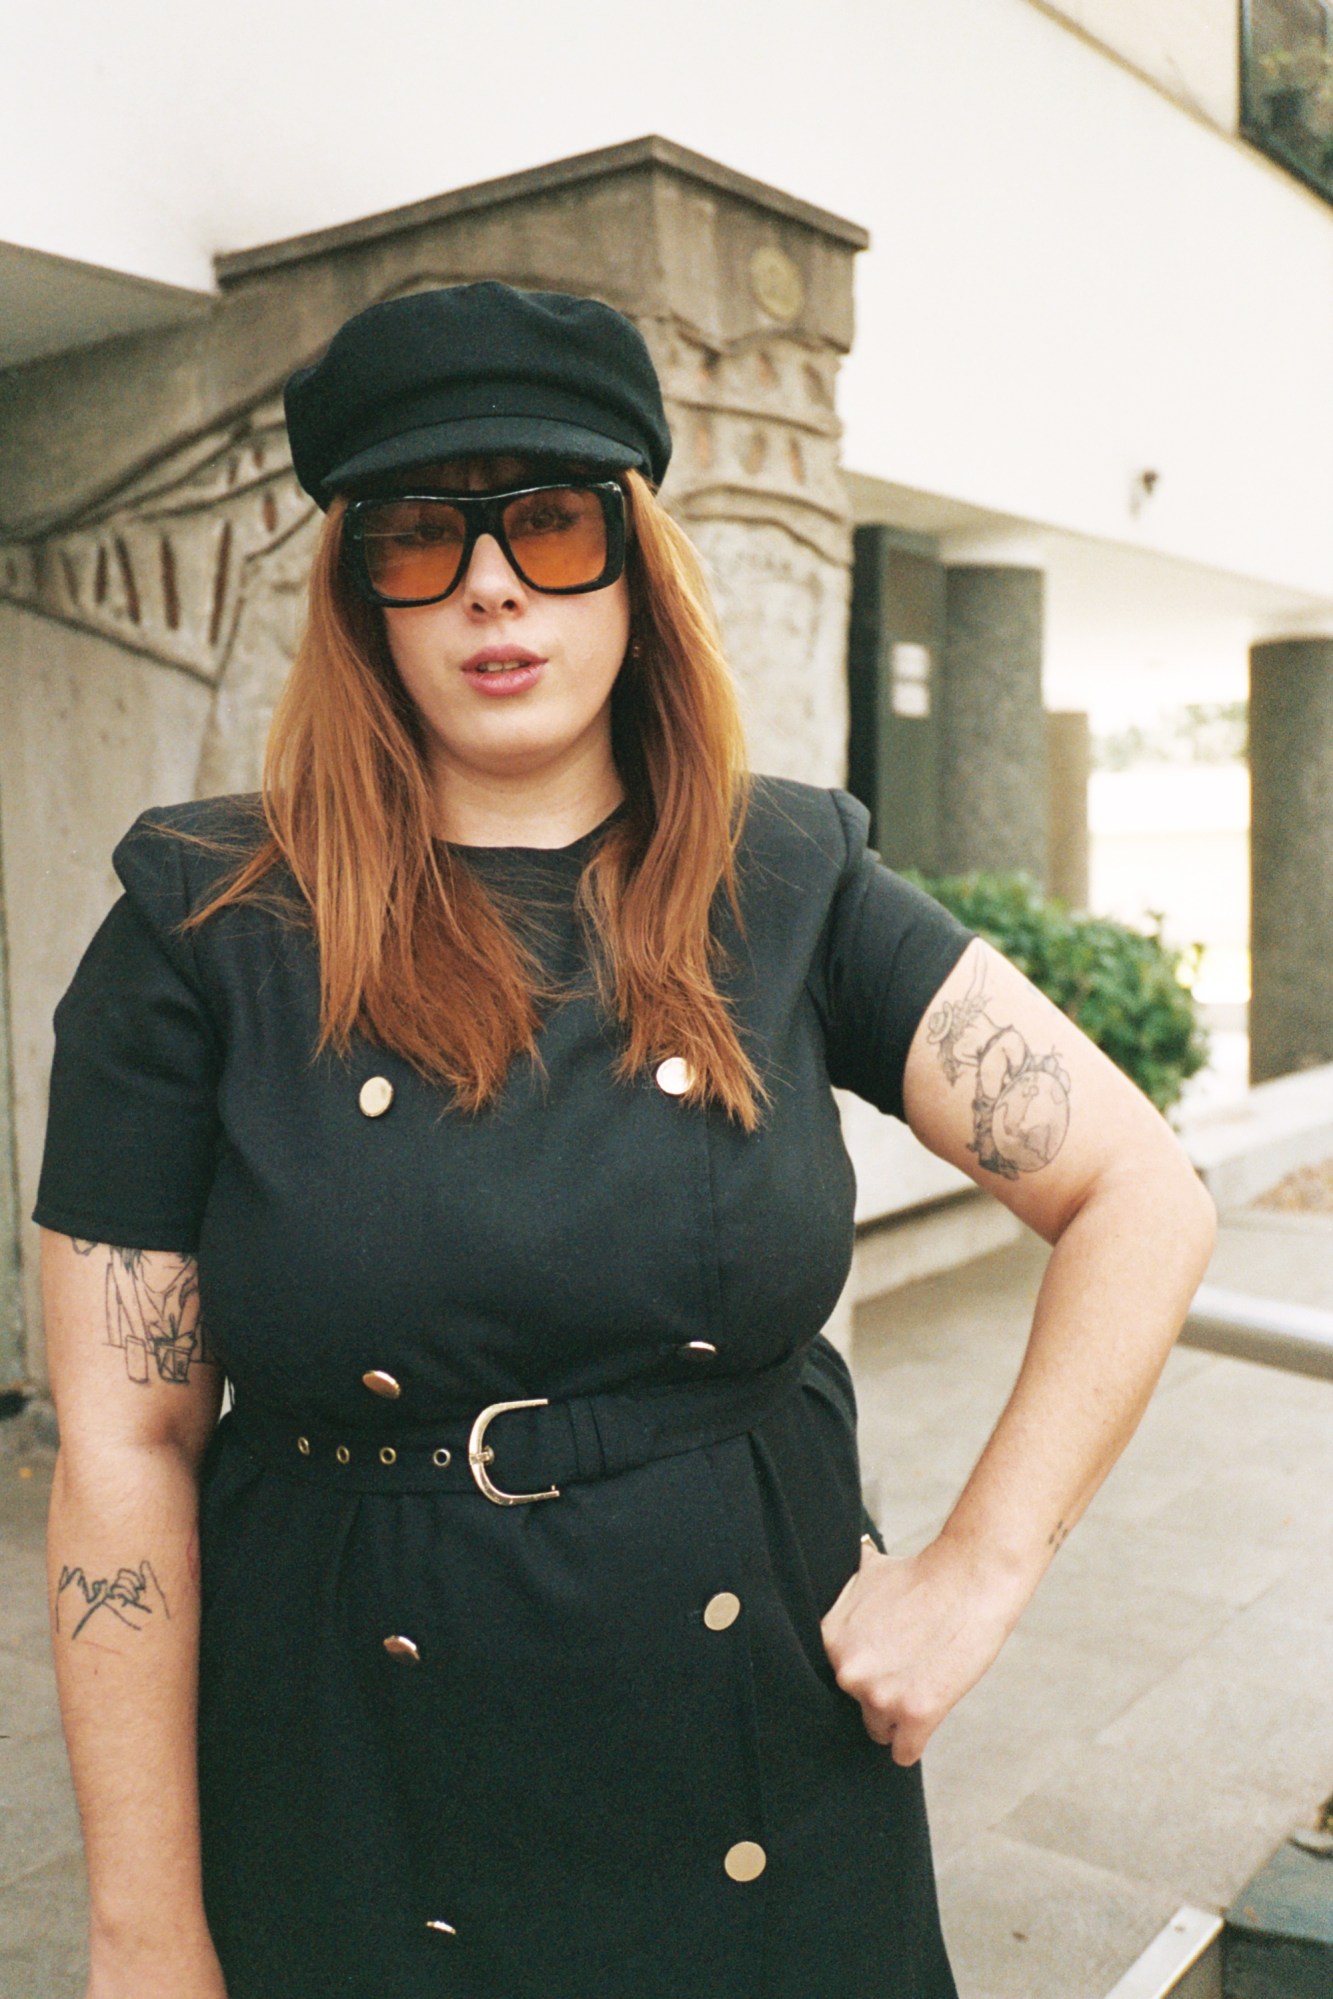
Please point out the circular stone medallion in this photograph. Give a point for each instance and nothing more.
(776, 282)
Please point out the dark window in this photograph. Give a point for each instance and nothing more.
(1286, 85)
(892, 684)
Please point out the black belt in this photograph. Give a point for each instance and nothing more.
(536, 1447)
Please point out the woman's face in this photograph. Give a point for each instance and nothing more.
(557, 710)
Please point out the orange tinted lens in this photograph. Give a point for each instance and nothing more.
(412, 547)
(558, 538)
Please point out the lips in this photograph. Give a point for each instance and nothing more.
(496, 659)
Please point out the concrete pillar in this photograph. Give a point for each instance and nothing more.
(1291, 856)
(992, 731)
(1068, 769)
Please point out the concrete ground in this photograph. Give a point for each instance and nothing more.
(1161, 1717)
(1157, 1724)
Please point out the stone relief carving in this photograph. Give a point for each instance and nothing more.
(163, 569)
(199, 564)
(755, 480)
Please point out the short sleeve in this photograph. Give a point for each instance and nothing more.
(888, 948)
(132, 1127)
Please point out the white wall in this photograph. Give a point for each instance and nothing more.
(1070, 280)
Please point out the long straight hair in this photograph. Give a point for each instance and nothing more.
(413, 950)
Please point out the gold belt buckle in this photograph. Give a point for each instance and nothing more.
(479, 1455)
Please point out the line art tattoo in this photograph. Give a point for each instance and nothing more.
(131, 1595)
(1020, 1101)
(152, 1311)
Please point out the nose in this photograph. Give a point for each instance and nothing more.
(490, 583)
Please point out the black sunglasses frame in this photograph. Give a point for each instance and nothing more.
(483, 513)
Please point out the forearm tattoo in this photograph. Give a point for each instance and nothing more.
(152, 1311)
(133, 1596)
(1020, 1101)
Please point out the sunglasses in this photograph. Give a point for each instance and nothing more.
(414, 548)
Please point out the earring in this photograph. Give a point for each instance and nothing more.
(635, 649)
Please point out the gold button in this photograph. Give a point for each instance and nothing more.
(721, 1610)
(343, 1455)
(402, 1648)
(674, 1075)
(380, 1383)
(746, 1860)
(388, 1455)
(441, 1457)
(303, 1446)
(447, 1928)
(699, 1349)
(376, 1095)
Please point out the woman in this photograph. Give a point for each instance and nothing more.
(465, 1097)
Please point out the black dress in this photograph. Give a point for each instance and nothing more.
(603, 1755)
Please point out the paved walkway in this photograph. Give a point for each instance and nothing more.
(1161, 1718)
(1156, 1725)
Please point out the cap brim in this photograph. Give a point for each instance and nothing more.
(464, 437)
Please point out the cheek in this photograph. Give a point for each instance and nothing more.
(606, 634)
(414, 650)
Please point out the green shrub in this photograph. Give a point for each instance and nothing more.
(1125, 988)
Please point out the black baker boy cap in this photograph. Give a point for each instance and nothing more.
(470, 369)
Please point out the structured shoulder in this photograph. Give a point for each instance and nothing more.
(807, 832)
(173, 855)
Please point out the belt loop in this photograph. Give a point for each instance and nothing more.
(589, 1456)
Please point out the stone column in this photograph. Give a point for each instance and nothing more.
(992, 732)
(1068, 768)
(1291, 856)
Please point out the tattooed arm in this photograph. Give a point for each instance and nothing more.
(137, 1396)
(1003, 1085)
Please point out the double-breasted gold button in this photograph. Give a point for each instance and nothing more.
(401, 1648)
(698, 1350)
(674, 1075)
(380, 1383)
(722, 1610)
(446, 1928)
(746, 1860)
(375, 1096)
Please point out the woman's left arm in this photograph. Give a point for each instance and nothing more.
(1002, 1084)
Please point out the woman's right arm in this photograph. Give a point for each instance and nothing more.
(137, 1398)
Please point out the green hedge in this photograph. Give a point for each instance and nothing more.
(1123, 987)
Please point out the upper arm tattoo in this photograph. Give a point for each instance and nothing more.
(152, 1311)
(1020, 1101)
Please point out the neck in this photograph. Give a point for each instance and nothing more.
(550, 808)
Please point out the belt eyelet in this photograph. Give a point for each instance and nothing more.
(343, 1455)
(441, 1457)
(388, 1455)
